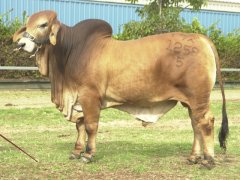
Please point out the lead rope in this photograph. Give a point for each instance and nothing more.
(38, 47)
(34, 54)
(18, 148)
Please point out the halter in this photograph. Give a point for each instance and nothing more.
(39, 43)
(33, 39)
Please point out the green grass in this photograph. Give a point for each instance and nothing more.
(125, 149)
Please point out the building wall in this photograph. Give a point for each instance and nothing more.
(226, 21)
(72, 11)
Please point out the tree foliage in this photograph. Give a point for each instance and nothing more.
(157, 17)
(152, 24)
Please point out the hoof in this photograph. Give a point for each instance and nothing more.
(208, 163)
(86, 160)
(75, 156)
(194, 159)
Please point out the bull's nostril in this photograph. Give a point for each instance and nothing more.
(21, 45)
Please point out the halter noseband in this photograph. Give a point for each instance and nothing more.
(33, 39)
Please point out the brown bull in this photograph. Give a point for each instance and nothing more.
(90, 71)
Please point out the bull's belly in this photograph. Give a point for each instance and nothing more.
(150, 113)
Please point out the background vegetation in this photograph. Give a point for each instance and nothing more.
(159, 16)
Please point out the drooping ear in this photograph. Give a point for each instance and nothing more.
(54, 31)
(18, 34)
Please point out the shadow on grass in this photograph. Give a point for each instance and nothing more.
(126, 149)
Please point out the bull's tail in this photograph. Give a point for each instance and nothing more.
(224, 130)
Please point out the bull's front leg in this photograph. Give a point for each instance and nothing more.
(81, 140)
(91, 110)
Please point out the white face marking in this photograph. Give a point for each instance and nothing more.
(29, 45)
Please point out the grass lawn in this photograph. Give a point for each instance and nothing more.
(125, 149)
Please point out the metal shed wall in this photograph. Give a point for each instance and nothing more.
(226, 21)
(72, 11)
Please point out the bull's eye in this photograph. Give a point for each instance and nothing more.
(43, 25)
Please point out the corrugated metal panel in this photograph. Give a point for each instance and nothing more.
(72, 11)
(227, 21)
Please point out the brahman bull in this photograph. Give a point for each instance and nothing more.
(90, 71)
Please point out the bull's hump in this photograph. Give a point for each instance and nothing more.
(90, 27)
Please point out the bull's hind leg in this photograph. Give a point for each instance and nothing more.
(203, 126)
(81, 139)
